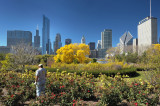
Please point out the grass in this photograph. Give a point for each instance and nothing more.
(140, 75)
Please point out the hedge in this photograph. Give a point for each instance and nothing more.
(127, 71)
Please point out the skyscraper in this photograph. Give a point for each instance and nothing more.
(45, 36)
(83, 40)
(57, 42)
(106, 43)
(17, 36)
(147, 33)
(106, 38)
(68, 41)
(126, 42)
(99, 44)
(37, 39)
(92, 45)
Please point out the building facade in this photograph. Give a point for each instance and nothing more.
(126, 41)
(135, 45)
(57, 42)
(68, 41)
(16, 37)
(99, 44)
(37, 39)
(106, 38)
(91, 45)
(147, 33)
(93, 54)
(5, 49)
(106, 43)
(46, 36)
(83, 40)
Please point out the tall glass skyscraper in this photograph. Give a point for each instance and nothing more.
(45, 36)
(106, 38)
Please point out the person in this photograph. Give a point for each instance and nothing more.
(40, 80)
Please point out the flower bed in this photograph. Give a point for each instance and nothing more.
(71, 89)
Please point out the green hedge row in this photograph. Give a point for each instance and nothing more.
(127, 71)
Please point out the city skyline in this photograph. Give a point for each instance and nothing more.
(85, 17)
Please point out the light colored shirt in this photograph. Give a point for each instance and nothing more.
(41, 73)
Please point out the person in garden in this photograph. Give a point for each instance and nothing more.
(40, 80)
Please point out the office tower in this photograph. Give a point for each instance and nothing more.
(83, 40)
(147, 34)
(16, 37)
(135, 45)
(91, 45)
(126, 41)
(45, 36)
(106, 43)
(106, 38)
(68, 41)
(99, 44)
(57, 42)
(37, 39)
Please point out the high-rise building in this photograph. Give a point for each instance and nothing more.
(68, 41)
(99, 44)
(126, 42)
(91, 45)
(46, 36)
(106, 43)
(57, 42)
(135, 45)
(83, 40)
(147, 33)
(17, 36)
(37, 39)
(106, 38)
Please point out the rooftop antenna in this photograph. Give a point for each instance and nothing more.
(150, 9)
(37, 27)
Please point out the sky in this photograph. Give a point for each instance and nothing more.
(75, 18)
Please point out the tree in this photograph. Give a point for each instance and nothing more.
(71, 53)
(22, 55)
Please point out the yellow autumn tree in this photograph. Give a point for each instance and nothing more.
(71, 52)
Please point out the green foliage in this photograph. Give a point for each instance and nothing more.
(94, 60)
(75, 61)
(58, 61)
(7, 64)
(129, 58)
(2, 56)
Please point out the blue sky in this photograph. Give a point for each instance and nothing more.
(75, 18)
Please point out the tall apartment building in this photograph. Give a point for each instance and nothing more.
(57, 42)
(147, 33)
(16, 37)
(68, 41)
(46, 44)
(126, 41)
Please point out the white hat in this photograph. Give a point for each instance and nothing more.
(40, 65)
